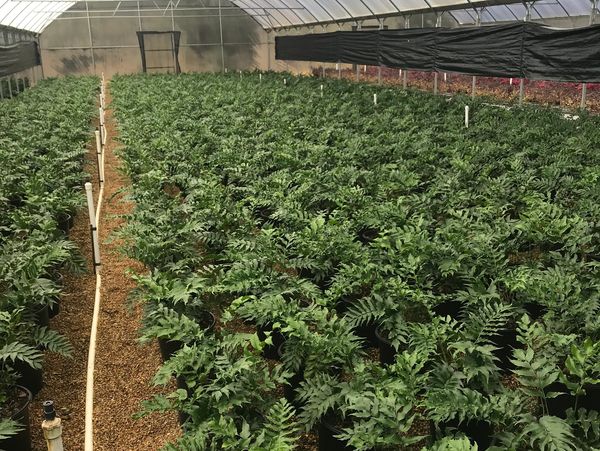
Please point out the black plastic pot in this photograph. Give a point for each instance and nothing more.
(387, 352)
(506, 341)
(22, 440)
(65, 221)
(54, 308)
(367, 235)
(535, 310)
(558, 406)
(448, 308)
(481, 432)
(182, 416)
(328, 429)
(42, 315)
(30, 378)
(270, 351)
(366, 331)
(170, 347)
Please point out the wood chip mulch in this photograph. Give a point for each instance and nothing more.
(124, 368)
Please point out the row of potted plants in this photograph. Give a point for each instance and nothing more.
(287, 234)
(43, 134)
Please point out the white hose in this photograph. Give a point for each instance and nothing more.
(89, 389)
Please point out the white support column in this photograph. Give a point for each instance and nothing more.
(93, 226)
(583, 95)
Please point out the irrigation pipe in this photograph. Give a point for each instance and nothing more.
(94, 222)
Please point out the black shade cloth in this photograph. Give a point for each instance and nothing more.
(521, 49)
(322, 46)
(18, 57)
(408, 49)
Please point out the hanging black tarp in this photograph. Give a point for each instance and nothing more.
(18, 57)
(522, 49)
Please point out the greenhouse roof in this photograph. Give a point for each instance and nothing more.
(278, 14)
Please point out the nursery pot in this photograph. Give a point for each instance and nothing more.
(448, 308)
(270, 351)
(30, 378)
(289, 390)
(479, 431)
(506, 341)
(170, 347)
(387, 352)
(42, 315)
(558, 406)
(367, 235)
(22, 440)
(182, 416)
(366, 331)
(535, 310)
(65, 222)
(328, 429)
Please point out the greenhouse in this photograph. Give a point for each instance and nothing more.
(313, 225)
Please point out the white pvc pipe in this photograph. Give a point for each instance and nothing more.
(285, 81)
(375, 99)
(321, 90)
(99, 157)
(93, 225)
(260, 77)
(89, 389)
(467, 116)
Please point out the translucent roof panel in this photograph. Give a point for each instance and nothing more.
(542, 9)
(312, 12)
(31, 16)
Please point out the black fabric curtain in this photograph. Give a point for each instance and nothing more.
(521, 49)
(18, 57)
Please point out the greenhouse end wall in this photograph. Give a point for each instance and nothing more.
(88, 41)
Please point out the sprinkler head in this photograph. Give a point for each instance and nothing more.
(49, 412)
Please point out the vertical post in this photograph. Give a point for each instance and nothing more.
(221, 37)
(358, 27)
(521, 91)
(405, 79)
(10, 87)
(583, 95)
(268, 51)
(260, 78)
(321, 90)
(101, 124)
(375, 99)
(339, 70)
(323, 71)
(438, 23)
(89, 24)
(99, 157)
(93, 226)
(1, 89)
(474, 80)
(467, 116)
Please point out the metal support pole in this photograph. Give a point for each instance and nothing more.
(10, 88)
(435, 83)
(438, 23)
(221, 36)
(583, 95)
(473, 85)
(405, 78)
(339, 70)
(1, 90)
(89, 24)
(99, 157)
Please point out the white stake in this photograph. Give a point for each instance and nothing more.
(375, 99)
(285, 81)
(99, 157)
(93, 225)
(225, 70)
(321, 90)
(260, 78)
(511, 81)
(400, 73)
(445, 76)
(467, 116)
(365, 68)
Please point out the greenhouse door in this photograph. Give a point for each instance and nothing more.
(160, 50)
